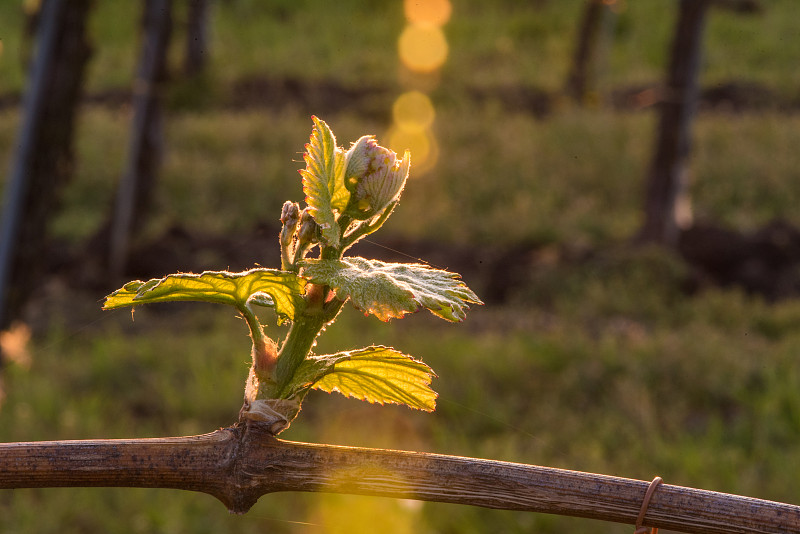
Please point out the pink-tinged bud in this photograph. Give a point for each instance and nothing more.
(374, 177)
(357, 161)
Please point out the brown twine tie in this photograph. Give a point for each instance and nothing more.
(645, 503)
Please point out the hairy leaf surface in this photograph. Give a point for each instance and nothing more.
(323, 180)
(389, 290)
(374, 374)
(265, 287)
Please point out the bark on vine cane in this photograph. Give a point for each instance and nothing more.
(237, 465)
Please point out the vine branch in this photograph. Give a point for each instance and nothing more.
(237, 465)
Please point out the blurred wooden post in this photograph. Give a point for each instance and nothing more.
(197, 41)
(146, 144)
(43, 160)
(595, 25)
(667, 204)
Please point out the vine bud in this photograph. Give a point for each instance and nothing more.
(374, 176)
(290, 217)
(358, 160)
(308, 229)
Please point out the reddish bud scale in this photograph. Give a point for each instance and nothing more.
(313, 293)
(265, 356)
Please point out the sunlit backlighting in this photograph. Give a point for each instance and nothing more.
(413, 111)
(357, 514)
(421, 143)
(31, 7)
(14, 344)
(433, 12)
(422, 48)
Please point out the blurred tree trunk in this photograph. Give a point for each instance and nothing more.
(197, 40)
(596, 23)
(667, 204)
(44, 158)
(135, 192)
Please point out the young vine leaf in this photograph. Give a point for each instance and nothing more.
(375, 374)
(323, 180)
(390, 290)
(265, 287)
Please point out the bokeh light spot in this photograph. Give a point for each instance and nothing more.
(434, 12)
(423, 147)
(422, 48)
(31, 7)
(413, 111)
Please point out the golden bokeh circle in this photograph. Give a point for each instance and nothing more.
(434, 12)
(413, 111)
(422, 48)
(421, 143)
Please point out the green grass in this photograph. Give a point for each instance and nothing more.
(594, 377)
(491, 43)
(576, 178)
(602, 364)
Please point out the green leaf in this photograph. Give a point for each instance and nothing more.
(265, 287)
(374, 374)
(389, 290)
(323, 180)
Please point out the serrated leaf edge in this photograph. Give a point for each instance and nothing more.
(400, 392)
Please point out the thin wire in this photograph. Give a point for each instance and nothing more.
(277, 520)
(639, 528)
(399, 252)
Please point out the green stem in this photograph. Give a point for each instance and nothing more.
(286, 260)
(307, 326)
(256, 331)
(297, 346)
(344, 223)
(367, 228)
(301, 337)
(299, 254)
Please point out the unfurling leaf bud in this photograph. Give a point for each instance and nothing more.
(357, 160)
(290, 216)
(309, 229)
(290, 213)
(374, 176)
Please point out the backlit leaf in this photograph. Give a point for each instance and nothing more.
(265, 287)
(389, 290)
(374, 374)
(323, 180)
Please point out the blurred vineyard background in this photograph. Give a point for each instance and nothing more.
(594, 351)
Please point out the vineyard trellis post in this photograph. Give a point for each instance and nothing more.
(43, 158)
(135, 189)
